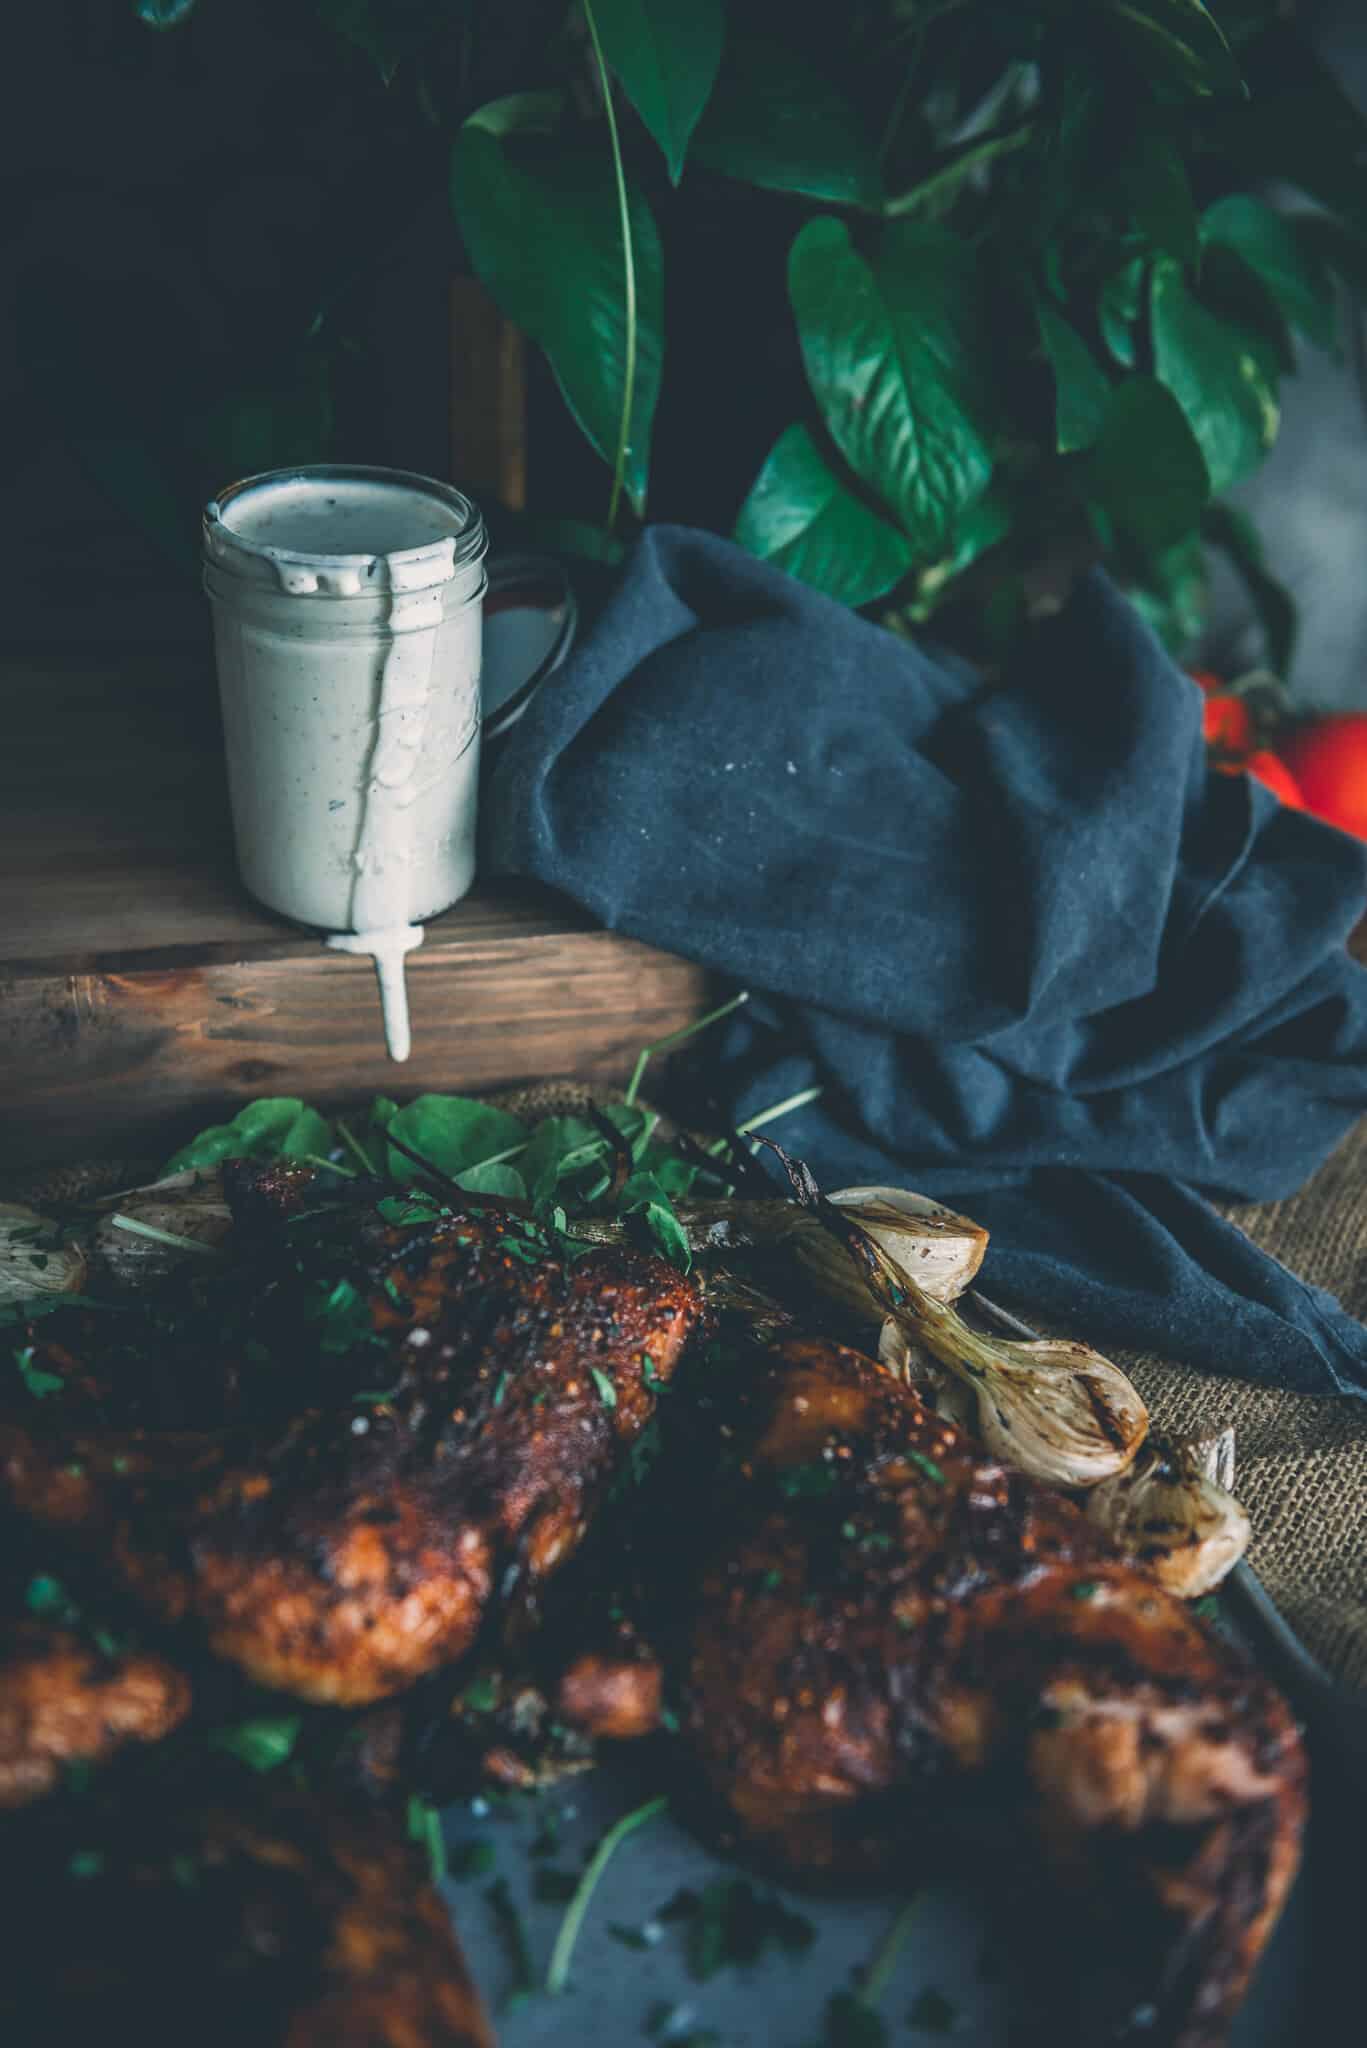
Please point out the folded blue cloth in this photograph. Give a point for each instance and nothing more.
(1040, 960)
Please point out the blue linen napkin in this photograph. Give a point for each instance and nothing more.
(1041, 962)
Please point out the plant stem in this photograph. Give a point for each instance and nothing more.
(557, 1975)
(959, 167)
(628, 274)
(647, 1052)
(790, 1103)
(885, 1955)
(171, 1237)
(348, 1137)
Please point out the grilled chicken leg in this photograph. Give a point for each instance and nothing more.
(471, 1394)
(896, 1639)
(233, 1913)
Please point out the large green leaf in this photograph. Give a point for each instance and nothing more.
(1218, 373)
(1146, 470)
(1117, 309)
(802, 518)
(666, 53)
(895, 356)
(1178, 41)
(775, 120)
(542, 229)
(1160, 198)
(1081, 391)
(1270, 248)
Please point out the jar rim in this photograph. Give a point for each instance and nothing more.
(342, 573)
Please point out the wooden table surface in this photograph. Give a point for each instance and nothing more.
(143, 992)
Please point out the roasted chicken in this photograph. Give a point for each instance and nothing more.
(469, 1394)
(232, 1912)
(65, 1701)
(896, 1643)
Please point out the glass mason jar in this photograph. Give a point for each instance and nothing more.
(347, 618)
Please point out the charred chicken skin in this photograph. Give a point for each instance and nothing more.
(64, 1701)
(482, 1393)
(243, 1912)
(896, 1639)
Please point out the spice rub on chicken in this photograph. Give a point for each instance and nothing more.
(898, 1642)
(469, 1390)
(65, 1701)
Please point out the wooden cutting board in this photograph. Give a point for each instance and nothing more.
(143, 994)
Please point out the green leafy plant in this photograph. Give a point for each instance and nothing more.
(1036, 300)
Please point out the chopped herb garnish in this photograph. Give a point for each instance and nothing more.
(38, 1382)
(472, 1859)
(733, 1924)
(607, 1393)
(771, 1580)
(806, 1482)
(508, 1921)
(650, 1380)
(501, 1388)
(481, 1694)
(557, 1974)
(49, 1598)
(927, 1465)
(393, 1292)
(373, 1397)
(1208, 1607)
(932, 2012)
(86, 1862)
(264, 1742)
(424, 1825)
(529, 1254)
(1085, 1589)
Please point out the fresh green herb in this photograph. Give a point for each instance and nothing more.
(472, 1859)
(481, 1695)
(732, 1925)
(39, 1383)
(649, 1378)
(424, 1825)
(557, 1974)
(74, 1469)
(85, 1862)
(119, 1465)
(926, 1465)
(644, 1196)
(678, 1038)
(508, 1922)
(607, 1393)
(1208, 1607)
(501, 1388)
(415, 1207)
(771, 1580)
(807, 1482)
(394, 1293)
(373, 1397)
(48, 1598)
(932, 2012)
(273, 1127)
(265, 1742)
(528, 1253)
(1085, 1589)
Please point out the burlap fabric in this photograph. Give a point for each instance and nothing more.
(1301, 1462)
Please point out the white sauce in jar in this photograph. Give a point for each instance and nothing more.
(347, 615)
